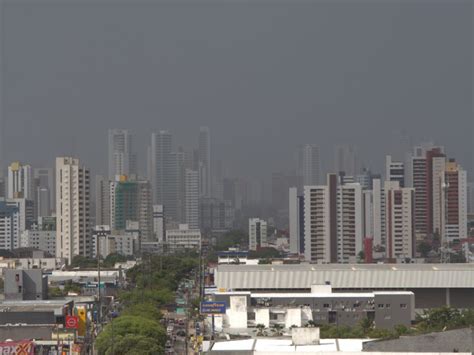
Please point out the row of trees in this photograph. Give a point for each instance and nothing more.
(434, 320)
(151, 287)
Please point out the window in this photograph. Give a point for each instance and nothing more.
(326, 305)
(380, 305)
(251, 316)
(388, 306)
(19, 289)
(403, 305)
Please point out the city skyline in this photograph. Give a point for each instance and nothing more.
(305, 82)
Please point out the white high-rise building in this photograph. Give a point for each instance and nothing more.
(20, 181)
(400, 232)
(394, 170)
(309, 165)
(333, 220)
(257, 233)
(349, 222)
(119, 153)
(320, 233)
(73, 230)
(453, 203)
(204, 162)
(191, 198)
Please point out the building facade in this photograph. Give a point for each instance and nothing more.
(119, 152)
(20, 181)
(257, 233)
(73, 229)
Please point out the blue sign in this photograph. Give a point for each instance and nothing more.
(213, 307)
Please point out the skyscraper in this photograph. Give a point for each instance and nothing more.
(204, 162)
(309, 165)
(161, 165)
(191, 199)
(119, 154)
(20, 181)
(73, 230)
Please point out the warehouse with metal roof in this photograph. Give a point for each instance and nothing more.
(434, 285)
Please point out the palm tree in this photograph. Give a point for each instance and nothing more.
(260, 329)
(277, 329)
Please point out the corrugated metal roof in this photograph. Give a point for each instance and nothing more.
(345, 276)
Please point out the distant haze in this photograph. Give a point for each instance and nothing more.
(264, 75)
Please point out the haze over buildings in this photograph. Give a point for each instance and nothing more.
(294, 74)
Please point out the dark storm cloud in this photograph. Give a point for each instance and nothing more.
(264, 76)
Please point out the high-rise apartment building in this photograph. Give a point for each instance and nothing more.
(102, 201)
(205, 177)
(73, 229)
(191, 198)
(400, 233)
(26, 209)
(9, 226)
(161, 163)
(333, 221)
(119, 153)
(453, 203)
(427, 164)
(257, 233)
(309, 164)
(20, 181)
(133, 202)
(296, 221)
(349, 222)
(394, 170)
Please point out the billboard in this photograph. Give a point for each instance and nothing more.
(17, 347)
(213, 307)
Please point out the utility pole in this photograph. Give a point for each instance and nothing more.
(100, 232)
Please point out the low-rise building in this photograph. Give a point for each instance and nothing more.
(25, 285)
(321, 306)
(183, 238)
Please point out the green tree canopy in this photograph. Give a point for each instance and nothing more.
(138, 330)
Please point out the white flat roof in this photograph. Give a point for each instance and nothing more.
(349, 276)
(273, 345)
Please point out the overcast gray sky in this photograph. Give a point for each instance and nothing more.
(263, 75)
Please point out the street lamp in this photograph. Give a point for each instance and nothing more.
(100, 232)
